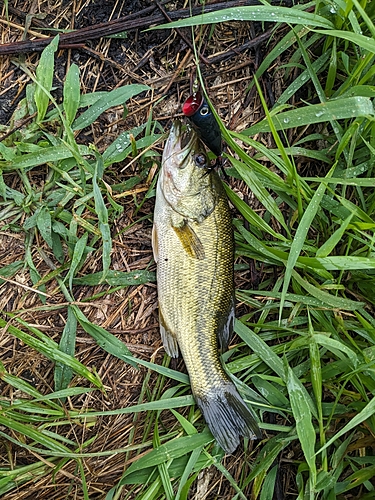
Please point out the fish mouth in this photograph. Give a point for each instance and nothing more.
(181, 141)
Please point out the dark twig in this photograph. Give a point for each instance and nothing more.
(130, 22)
(247, 45)
(22, 15)
(181, 34)
(19, 126)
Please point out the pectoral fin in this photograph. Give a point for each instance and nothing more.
(190, 241)
(168, 338)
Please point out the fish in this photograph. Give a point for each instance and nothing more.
(198, 111)
(193, 246)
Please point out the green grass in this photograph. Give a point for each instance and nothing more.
(307, 346)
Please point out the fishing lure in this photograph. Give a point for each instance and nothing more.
(197, 109)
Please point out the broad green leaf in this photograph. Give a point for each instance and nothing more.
(270, 392)
(89, 99)
(116, 278)
(104, 339)
(63, 373)
(260, 348)
(257, 187)
(252, 13)
(163, 467)
(302, 79)
(334, 239)
(167, 372)
(176, 469)
(158, 405)
(102, 213)
(51, 350)
(185, 483)
(327, 298)
(44, 77)
(337, 346)
(71, 93)
(171, 450)
(367, 412)
(185, 424)
(79, 250)
(356, 479)
(268, 454)
(363, 41)
(50, 154)
(348, 107)
(270, 179)
(300, 237)
(44, 224)
(250, 214)
(303, 418)
(316, 372)
(33, 433)
(268, 487)
(121, 154)
(360, 182)
(10, 270)
(114, 98)
(119, 146)
(307, 153)
(349, 262)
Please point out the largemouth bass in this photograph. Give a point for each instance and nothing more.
(194, 250)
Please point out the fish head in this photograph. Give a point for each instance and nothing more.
(186, 179)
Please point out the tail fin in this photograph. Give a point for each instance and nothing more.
(228, 417)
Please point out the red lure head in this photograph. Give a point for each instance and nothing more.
(192, 104)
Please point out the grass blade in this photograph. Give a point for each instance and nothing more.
(303, 418)
(116, 97)
(116, 278)
(104, 339)
(63, 373)
(71, 93)
(339, 109)
(300, 237)
(44, 77)
(363, 41)
(252, 13)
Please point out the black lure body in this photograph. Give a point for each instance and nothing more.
(197, 109)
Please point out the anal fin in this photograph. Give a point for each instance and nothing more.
(168, 338)
(225, 332)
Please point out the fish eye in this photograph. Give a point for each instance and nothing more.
(200, 160)
(204, 111)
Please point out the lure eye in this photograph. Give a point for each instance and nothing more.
(200, 160)
(204, 111)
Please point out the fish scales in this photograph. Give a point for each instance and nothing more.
(194, 249)
(195, 295)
